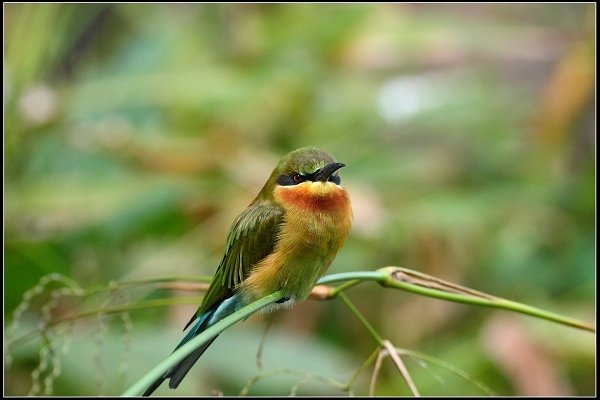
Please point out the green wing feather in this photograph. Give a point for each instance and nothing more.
(252, 237)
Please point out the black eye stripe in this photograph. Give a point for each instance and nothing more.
(286, 180)
(292, 179)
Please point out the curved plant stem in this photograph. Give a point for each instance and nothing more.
(393, 277)
(179, 354)
(427, 285)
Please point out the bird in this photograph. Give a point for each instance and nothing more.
(286, 239)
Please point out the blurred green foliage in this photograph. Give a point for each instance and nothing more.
(134, 134)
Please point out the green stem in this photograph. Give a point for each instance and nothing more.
(182, 352)
(426, 285)
(476, 298)
(361, 318)
(338, 289)
(350, 276)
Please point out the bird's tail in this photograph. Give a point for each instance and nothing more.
(205, 321)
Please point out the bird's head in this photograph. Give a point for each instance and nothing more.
(307, 173)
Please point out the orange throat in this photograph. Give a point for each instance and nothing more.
(315, 197)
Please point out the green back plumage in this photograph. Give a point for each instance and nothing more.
(252, 237)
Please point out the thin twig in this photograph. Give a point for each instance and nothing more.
(108, 310)
(361, 318)
(185, 286)
(354, 376)
(306, 376)
(376, 369)
(263, 340)
(401, 367)
(443, 364)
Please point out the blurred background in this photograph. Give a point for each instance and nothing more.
(134, 134)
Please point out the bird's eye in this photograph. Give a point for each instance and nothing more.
(297, 178)
(291, 180)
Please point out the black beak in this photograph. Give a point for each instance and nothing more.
(324, 173)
